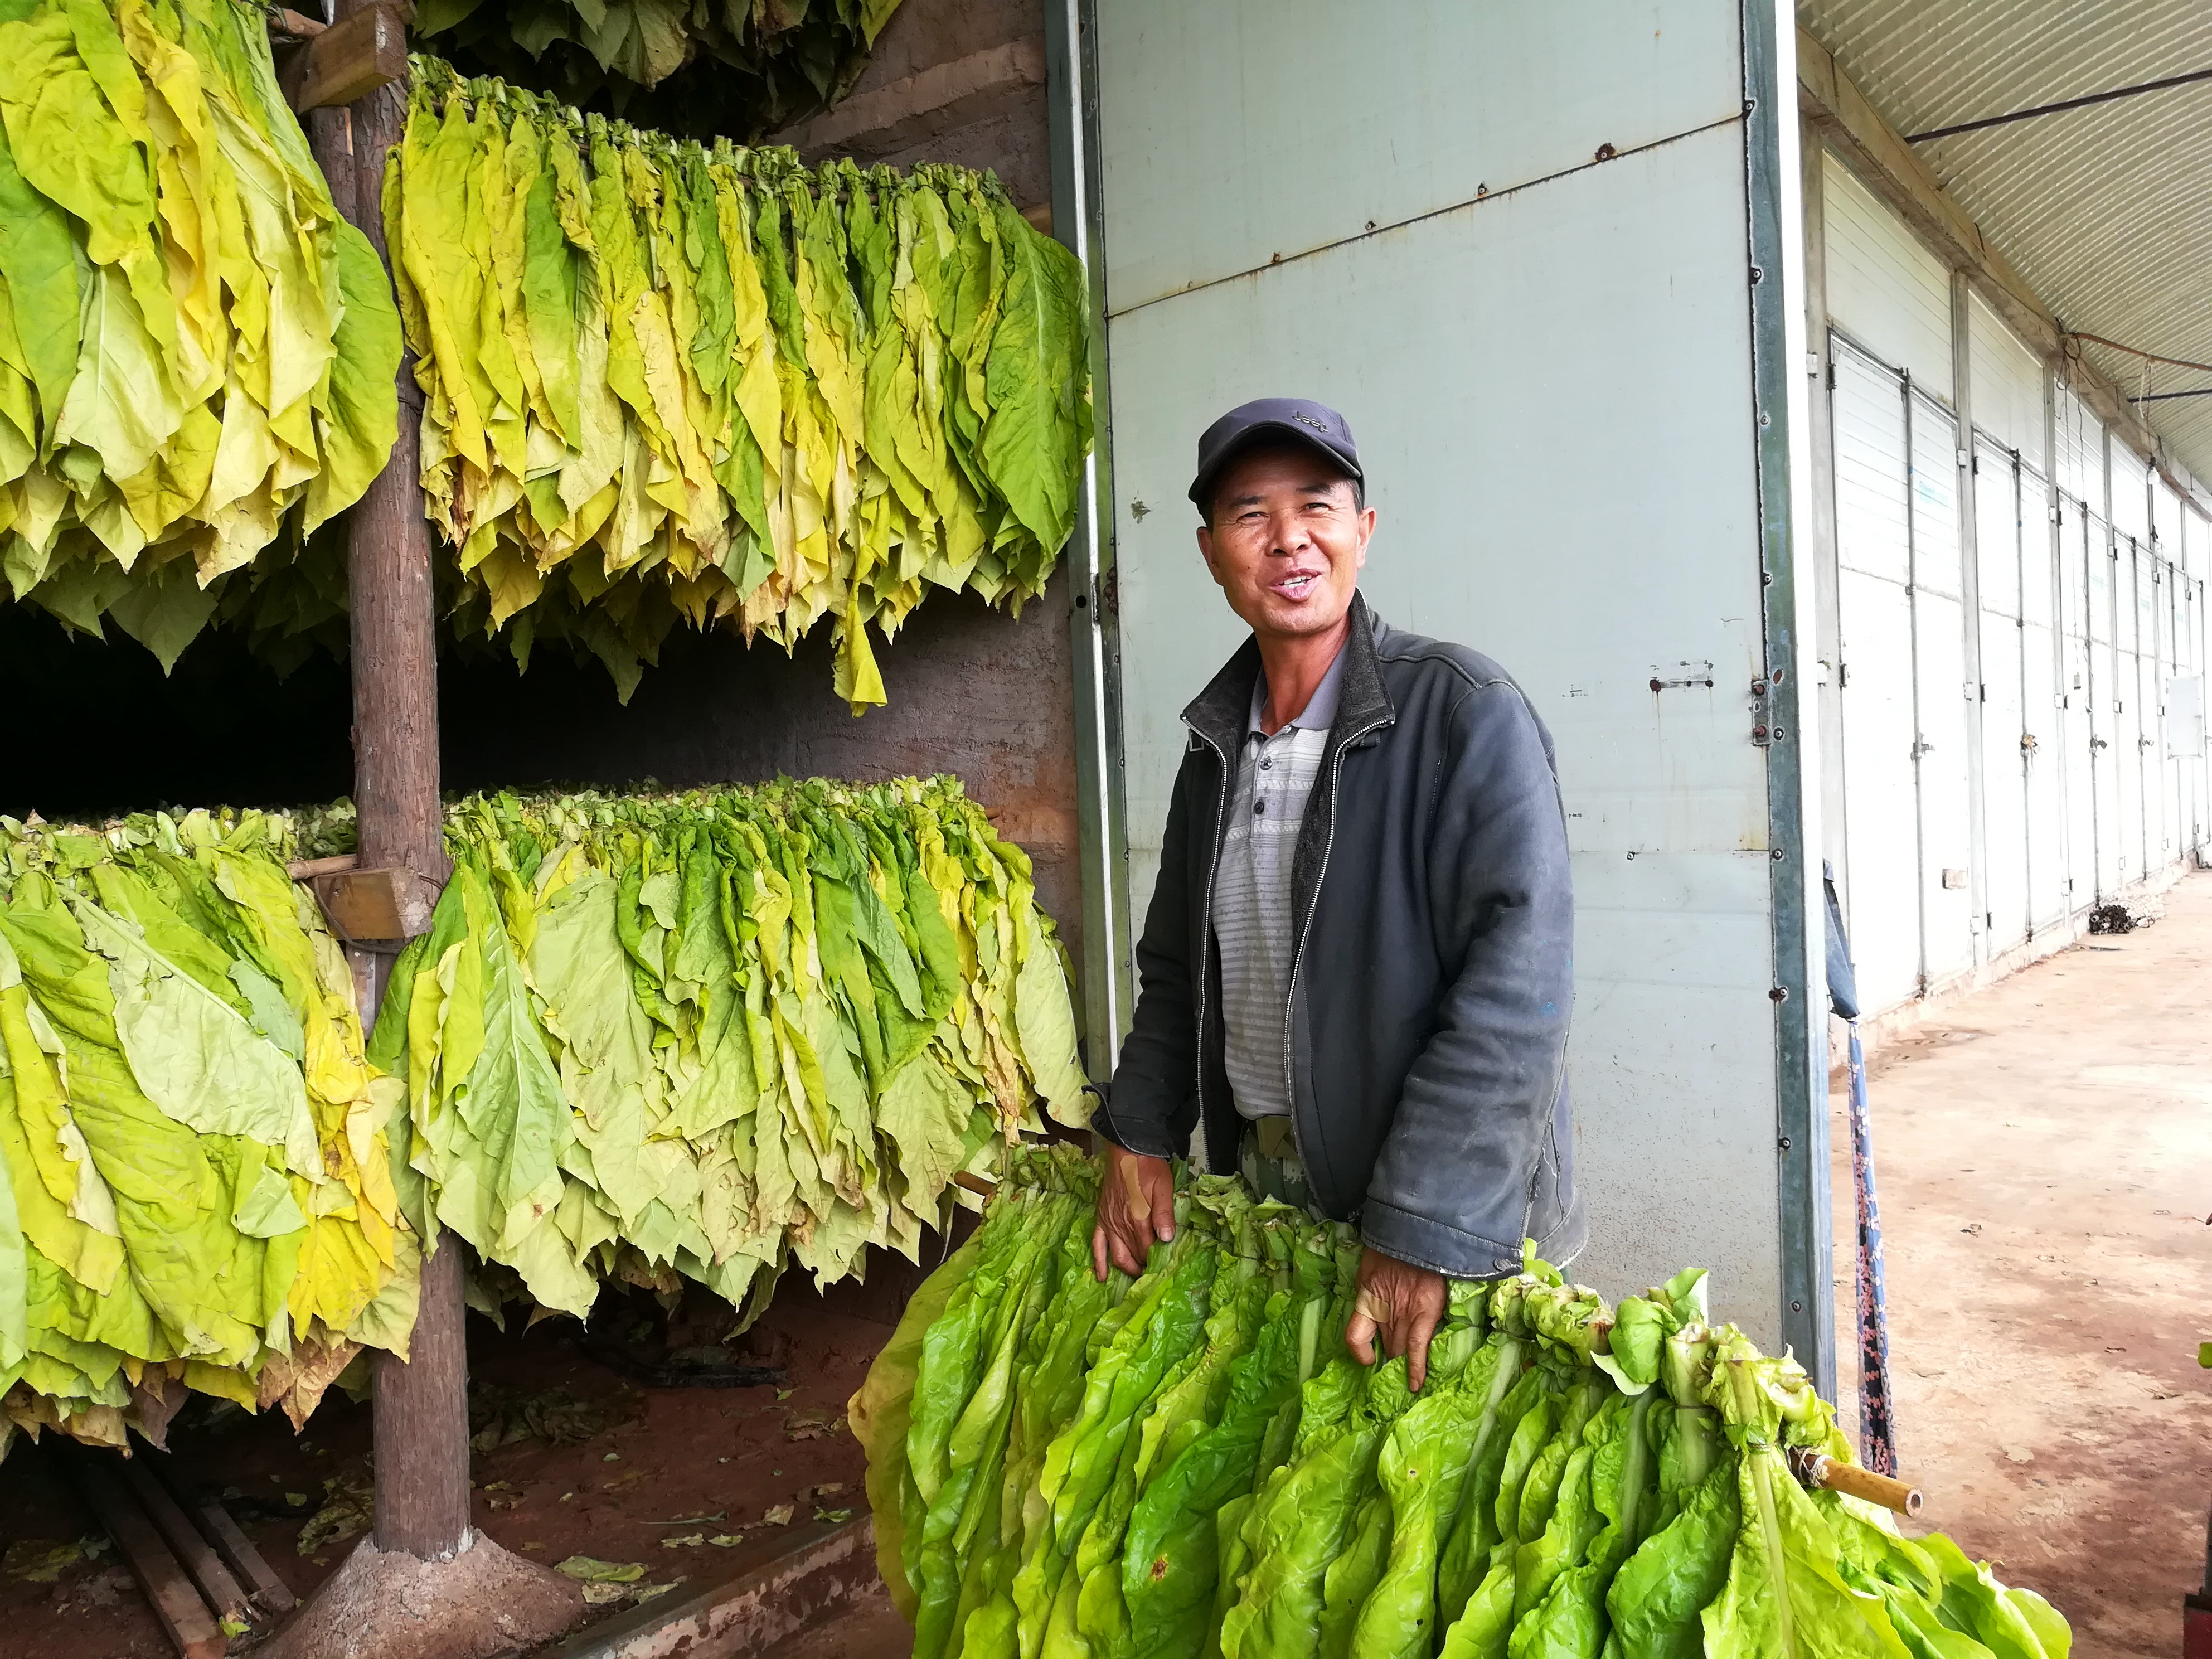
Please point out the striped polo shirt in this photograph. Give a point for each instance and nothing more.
(1252, 921)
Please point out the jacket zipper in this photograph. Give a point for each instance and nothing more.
(1306, 931)
(1205, 931)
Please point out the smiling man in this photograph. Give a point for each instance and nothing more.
(1358, 967)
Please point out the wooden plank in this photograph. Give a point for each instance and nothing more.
(267, 1591)
(194, 1553)
(348, 61)
(282, 20)
(379, 904)
(308, 869)
(231, 1543)
(176, 1603)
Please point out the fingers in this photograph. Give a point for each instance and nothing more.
(1359, 1336)
(1425, 1322)
(1098, 1251)
(1163, 1215)
(1129, 1257)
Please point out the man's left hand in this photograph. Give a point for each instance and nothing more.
(1405, 1304)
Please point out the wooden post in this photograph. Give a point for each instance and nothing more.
(421, 1404)
(423, 1586)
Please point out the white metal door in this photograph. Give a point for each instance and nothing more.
(2154, 644)
(2077, 698)
(2041, 737)
(1874, 543)
(2006, 849)
(1942, 688)
(2104, 705)
(2127, 719)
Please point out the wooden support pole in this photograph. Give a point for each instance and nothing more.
(422, 1585)
(421, 1404)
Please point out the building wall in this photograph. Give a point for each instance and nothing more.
(2015, 628)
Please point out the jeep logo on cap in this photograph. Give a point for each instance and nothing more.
(1300, 415)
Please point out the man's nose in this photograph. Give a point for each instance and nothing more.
(1289, 534)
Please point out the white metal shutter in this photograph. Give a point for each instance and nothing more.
(2077, 765)
(2042, 720)
(2099, 609)
(2008, 384)
(2131, 601)
(2130, 492)
(2078, 467)
(1881, 865)
(1885, 290)
(2005, 843)
(1940, 692)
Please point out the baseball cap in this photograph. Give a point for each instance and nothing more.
(1311, 423)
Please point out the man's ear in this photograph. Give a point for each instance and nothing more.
(1206, 550)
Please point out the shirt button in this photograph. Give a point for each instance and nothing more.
(1259, 808)
(1266, 762)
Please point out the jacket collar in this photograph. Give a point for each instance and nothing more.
(1220, 713)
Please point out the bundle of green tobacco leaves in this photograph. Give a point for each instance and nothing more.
(1187, 1463)
(193, 344)
(664, 383)
(196, 1184)
(740, 69)
(706, 1034)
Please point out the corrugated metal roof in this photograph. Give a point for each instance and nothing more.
(2106, 212)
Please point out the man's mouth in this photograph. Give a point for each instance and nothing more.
(1296, 588)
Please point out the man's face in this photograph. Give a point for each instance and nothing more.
(1287, 540)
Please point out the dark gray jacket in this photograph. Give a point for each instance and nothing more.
(1431, 986)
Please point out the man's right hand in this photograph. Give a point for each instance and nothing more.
(1136, 1204)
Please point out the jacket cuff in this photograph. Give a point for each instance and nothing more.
(1441, 1247)
(1130, 1138)
(1420, 1242)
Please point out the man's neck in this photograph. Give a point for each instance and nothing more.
(1295, 666)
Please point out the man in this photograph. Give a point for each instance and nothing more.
(1358, 967)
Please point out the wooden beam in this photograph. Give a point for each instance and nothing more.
(183, 1616)
(1835, 108)
(348, 61)
(308, 869)
(268, 1591)
(376, 905)
(194, 1553)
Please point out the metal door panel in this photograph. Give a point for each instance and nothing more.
(1941, 690)
(1873, 518)
(1946, 836)
(2005, 851)
(2042, 724)
(2127, 713)
(1880, 824)
(2008, 383)
(1887, 290)
(2078, 769)
(2131, 483)
(2041, 735)
(2104, 697)
(2152, 673)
